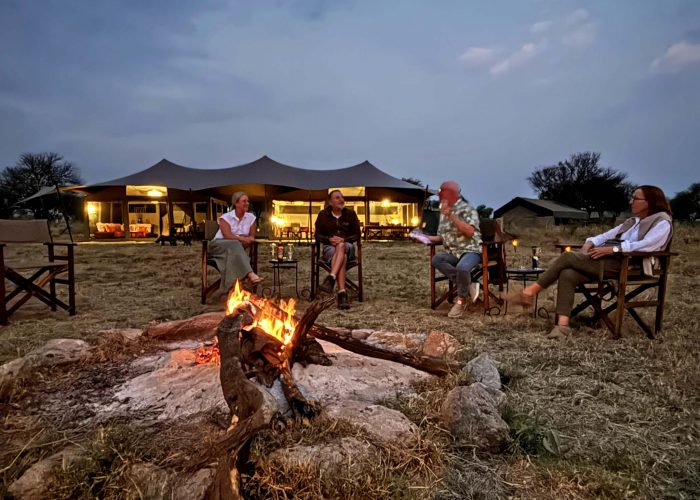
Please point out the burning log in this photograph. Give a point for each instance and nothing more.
(428, 364)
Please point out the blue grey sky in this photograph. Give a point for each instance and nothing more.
(481, 92)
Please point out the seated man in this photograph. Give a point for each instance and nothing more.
(337, 228)
(458, 231)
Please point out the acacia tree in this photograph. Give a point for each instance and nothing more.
(29, 175)
(582, 183)
(686, 204)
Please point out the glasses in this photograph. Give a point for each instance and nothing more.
(638, 199)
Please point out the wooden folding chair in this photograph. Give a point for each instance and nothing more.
(623, 289)
(317, 263)
(493, 260)
(32, 280)
(210, 229)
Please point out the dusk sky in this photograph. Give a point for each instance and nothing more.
(481, 92)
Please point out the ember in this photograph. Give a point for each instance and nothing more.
(208, 354)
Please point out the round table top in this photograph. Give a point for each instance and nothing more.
(524, 270)
(283, 261)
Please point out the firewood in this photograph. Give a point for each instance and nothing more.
(428, 364)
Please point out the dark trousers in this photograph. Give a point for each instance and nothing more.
(572, 269)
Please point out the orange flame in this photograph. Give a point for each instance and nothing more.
(265, 317)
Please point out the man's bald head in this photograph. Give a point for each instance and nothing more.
(450, 192)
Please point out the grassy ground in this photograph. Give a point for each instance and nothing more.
(623, 414)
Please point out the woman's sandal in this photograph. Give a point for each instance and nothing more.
(517, 297)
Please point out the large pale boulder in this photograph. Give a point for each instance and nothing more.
(471, 415)
(355, 377)
(387, 425)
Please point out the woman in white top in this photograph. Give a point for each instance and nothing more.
(228, 248)
(648, 231)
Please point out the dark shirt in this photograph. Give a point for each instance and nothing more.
(347, 226)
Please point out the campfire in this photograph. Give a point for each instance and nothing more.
(261, 339)
(275, 321)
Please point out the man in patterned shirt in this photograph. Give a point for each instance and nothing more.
(459, 232)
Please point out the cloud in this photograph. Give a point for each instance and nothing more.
(678, 57)
(477, 56)
(578, 16)
(517, 59)
(540, 27)
(582, 36)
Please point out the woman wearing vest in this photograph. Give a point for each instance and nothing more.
(648, 231)
(228, 248)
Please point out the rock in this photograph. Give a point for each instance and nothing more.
(396, 342)
(440, 345)
(175, 387)
(33, 483)
(471, 415)
(10, 373)
(387, 425)
(355, 377)
(59, 352)
(343, 451)
(361, 333)
(153, 482)
(126, 334)
(483, 369)
(202, 326)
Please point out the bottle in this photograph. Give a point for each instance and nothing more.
(280, 251)
(273, 250)
(290, 251)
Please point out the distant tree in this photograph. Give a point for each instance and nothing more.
(484, 211)
(413, 180)
(686, 204)
(582, 183)
(29, 175)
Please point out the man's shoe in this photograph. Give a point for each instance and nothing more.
(343, 300)
(457, 310)
(559, 332)
(328, 284)
(474, 291)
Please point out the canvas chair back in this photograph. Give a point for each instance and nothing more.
(211, 227)
(25, 231)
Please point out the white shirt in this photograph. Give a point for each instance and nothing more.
(239, 227)
(654, 240)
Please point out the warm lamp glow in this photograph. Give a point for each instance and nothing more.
(394, 222)
(515, 243)
(154, 193)
(92, 209)
(567, 248)
(386, 202)
(415, 221)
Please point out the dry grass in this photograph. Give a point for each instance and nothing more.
(626, 411)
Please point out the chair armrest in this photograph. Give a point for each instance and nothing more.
(660, 253)
(63, 244)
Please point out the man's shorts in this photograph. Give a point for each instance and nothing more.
(329, 252)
